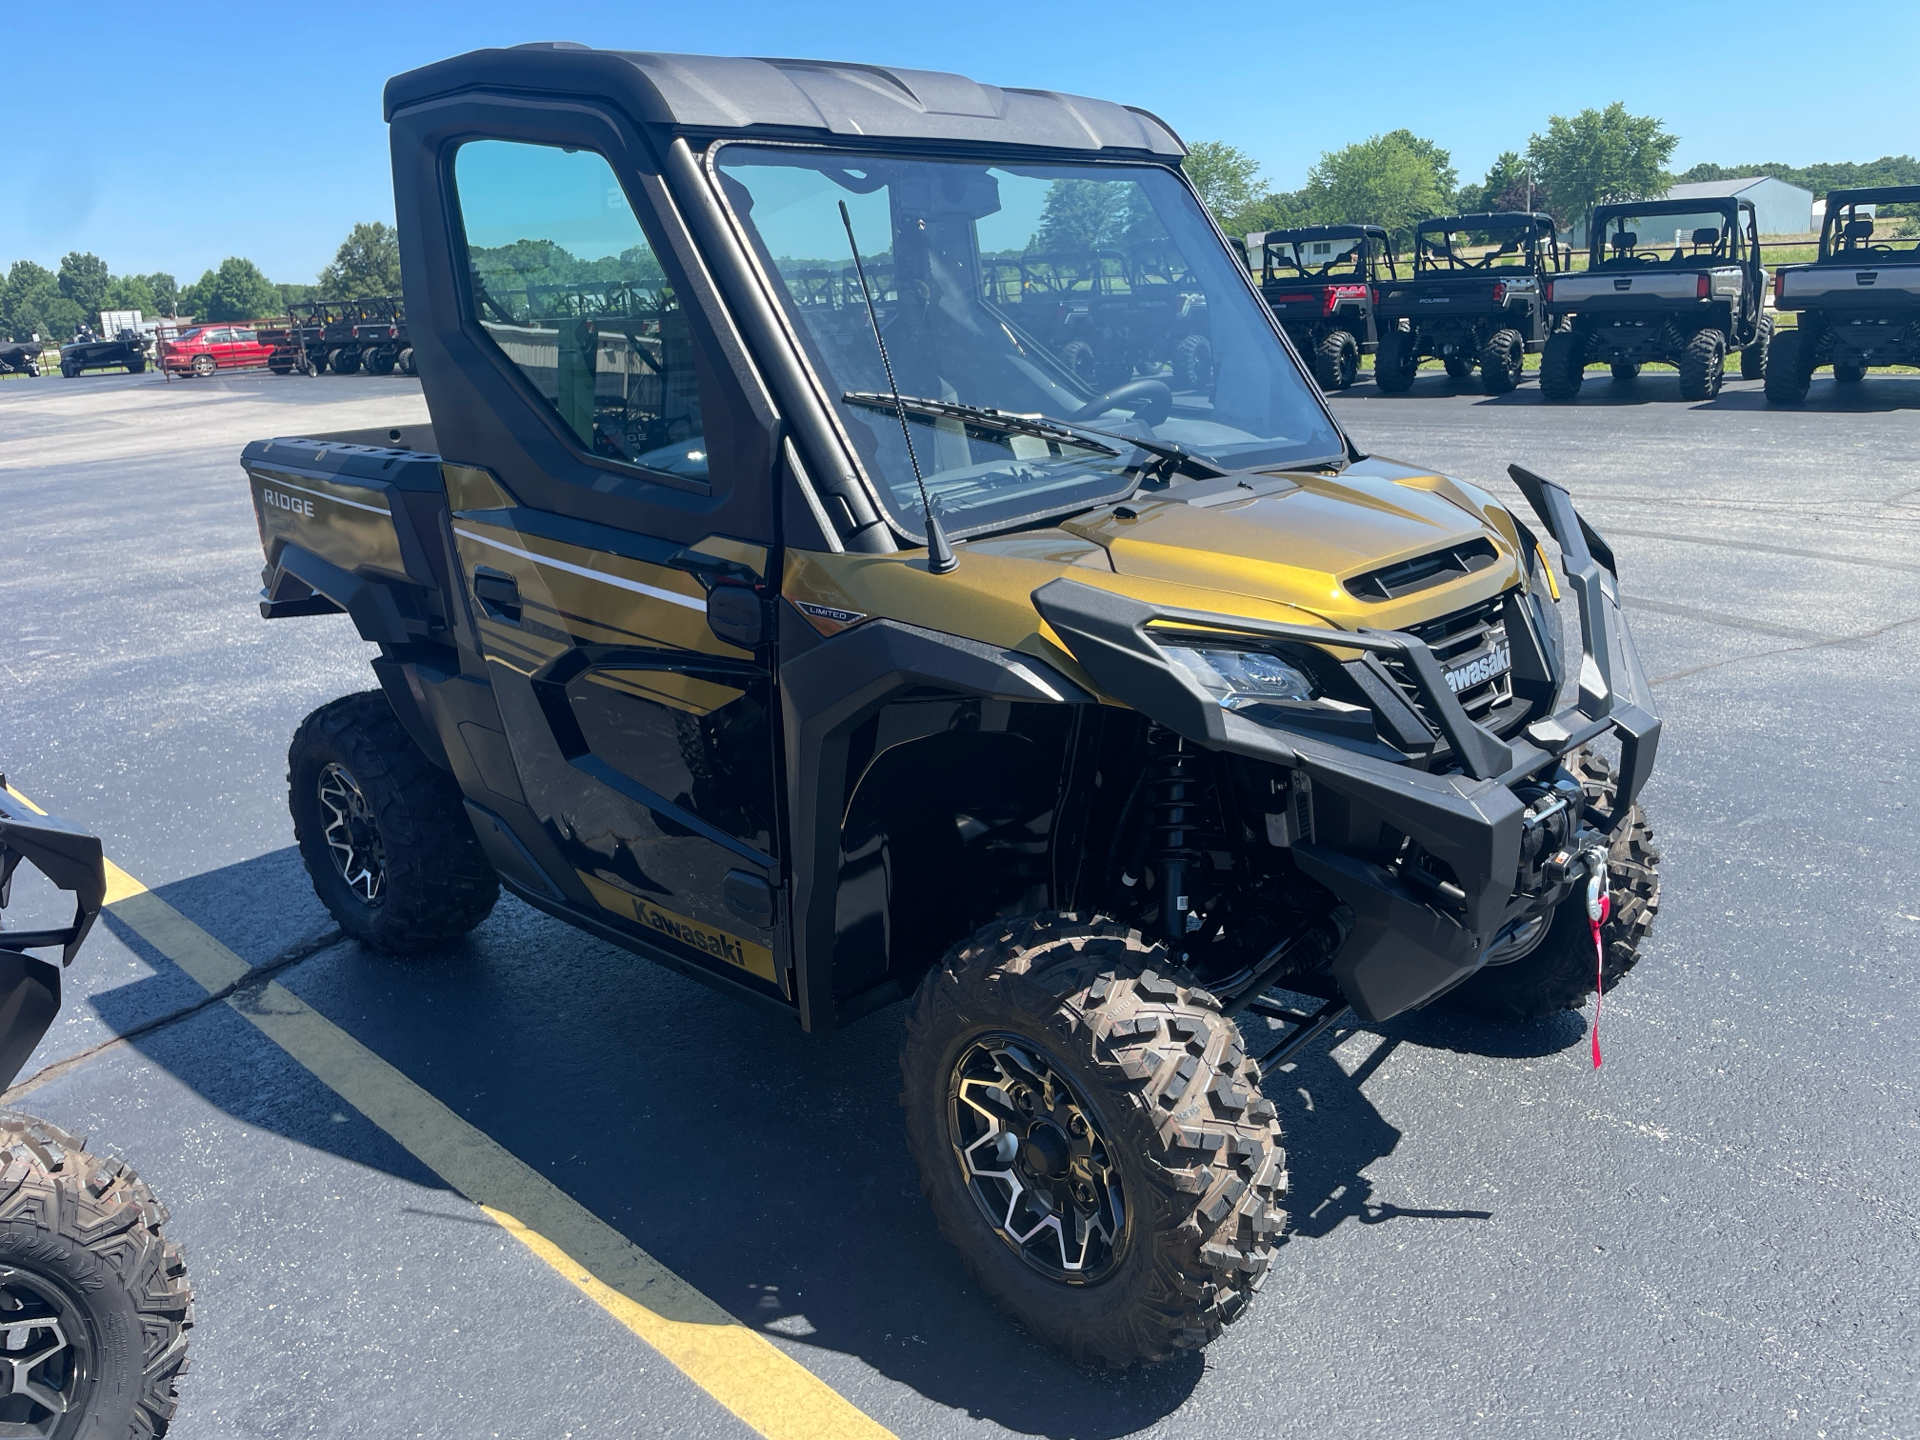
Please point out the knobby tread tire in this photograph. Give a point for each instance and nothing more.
(1396, 363)
(1789, 376)
(1203, 1171)
(1563, 365)
(1703, 365)
(1753, 359)
(439, 882)
(1336, 360)
(1503, 361)
(1559, 974)
(1193, 362)
(92, 1227)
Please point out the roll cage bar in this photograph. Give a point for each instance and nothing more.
(1533, 227)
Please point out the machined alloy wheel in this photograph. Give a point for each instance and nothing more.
(353, 839)
(203, 365)
(46, 1356)
(1033, 1155)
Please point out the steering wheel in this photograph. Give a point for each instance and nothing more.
(1150, 400)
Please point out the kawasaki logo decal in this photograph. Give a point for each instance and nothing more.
(718, 944)
(1481, 668)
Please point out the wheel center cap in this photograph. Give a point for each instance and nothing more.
(1045, 1151)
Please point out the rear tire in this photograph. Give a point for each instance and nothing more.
(1703, 366)
(382, 830)
(1396, 362)
(72, 372)
(1559, 974)
(1336, 361)
(1753, 359)
(1168, 1117)
(1193, 363)
(1788, 373)
(204, 366)
(81, 1244)
(379, 362)
(1563, 366)
(136, 367)
(345, 362)
(405, 361)
(1849, 374)
(1626, 370)
(1503, 361)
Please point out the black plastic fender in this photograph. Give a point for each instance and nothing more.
(29, 999)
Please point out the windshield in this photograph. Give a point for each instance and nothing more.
(1099, 296)
(1495, 247)
(1679, 238)
(1344, 258)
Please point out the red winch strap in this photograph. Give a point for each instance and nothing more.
(1599, 971)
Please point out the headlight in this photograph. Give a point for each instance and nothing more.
(1238, 678)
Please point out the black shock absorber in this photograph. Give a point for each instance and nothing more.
(1175, 785)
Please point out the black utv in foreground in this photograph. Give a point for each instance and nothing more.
(1476, 298)
(843, 644)
(94, 1299)
(1858, 302)
(1321, 282)
(1677, 281)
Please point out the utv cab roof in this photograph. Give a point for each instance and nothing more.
(1725, 203)
(1316, 232)
(1874, 195)
(801, 99)
(1491, 220)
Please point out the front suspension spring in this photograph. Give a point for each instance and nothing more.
(1175, 782)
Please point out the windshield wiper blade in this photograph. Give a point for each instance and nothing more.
(1169, 459)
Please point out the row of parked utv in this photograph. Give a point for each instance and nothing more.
(1674, 281)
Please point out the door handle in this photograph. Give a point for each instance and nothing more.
(498, 594)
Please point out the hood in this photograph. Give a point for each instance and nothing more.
(1320, 543)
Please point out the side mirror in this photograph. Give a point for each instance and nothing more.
(736, 614)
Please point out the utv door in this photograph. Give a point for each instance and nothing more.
(608, 465)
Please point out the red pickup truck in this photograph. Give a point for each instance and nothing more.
(207, 348)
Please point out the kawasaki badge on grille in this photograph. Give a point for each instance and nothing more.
(1481, 668)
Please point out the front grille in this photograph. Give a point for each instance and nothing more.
(1455, 640)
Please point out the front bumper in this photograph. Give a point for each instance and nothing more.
(1405, 947)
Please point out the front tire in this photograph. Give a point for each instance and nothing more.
(1559, 973)
(382, 830)
(1052, 1065)
(1336, 361)
(88, 1278)
(203, 366)
(1703, 366)
(1503, 361)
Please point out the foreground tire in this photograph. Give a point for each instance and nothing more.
(1503, 361)
(1396, 362)
(1336, 361)
(405, 361)
(1563, 365)
(1753, 359)
(91, 1286)
(382, 830)
(1092, 1138)
(1789, 373)
(1703, 366)
(1558, 973)
(136, 367)
(379, 362)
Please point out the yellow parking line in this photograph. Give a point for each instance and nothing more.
(750, 1375)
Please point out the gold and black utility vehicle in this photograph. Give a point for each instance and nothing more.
(1678, 281)
(1476, 297)
(1858, 302)
(94, 1300)
(773, 598)
(1322, 282)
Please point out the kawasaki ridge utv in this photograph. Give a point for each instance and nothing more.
(1859, 302)
(1474, 299)
(1321, 282)
(94, 1299)
(853, 650)
(1672, 280)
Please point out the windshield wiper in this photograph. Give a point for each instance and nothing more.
(1169, 459)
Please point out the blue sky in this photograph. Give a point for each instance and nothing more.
(216, 129)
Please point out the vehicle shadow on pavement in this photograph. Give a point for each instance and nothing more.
(764, 1166)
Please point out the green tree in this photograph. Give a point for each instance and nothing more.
(1227, 178)
(1392, 180)
(1507, 187)
(130, 292)
(84, 280)
(31, 304)
(166, 292)
(1598, 156)
(1081, 215)
(367, 263)
(236, 291)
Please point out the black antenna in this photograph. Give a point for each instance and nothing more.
(939, 553)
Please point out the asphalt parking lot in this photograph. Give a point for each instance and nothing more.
(1715, 1234)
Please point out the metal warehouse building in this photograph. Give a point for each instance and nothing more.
(1781, 209)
